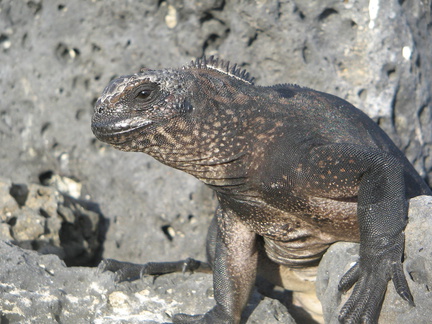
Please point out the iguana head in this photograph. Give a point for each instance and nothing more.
(191, 113)
(132, 106)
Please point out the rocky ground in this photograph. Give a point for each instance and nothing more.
(57, 56)
(41, 289)
(37, 288)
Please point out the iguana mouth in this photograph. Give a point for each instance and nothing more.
(115, 132)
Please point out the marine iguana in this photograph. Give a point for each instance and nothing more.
(294, 171)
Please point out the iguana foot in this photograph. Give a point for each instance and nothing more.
(127, 271)
(124, 271)
(214, 316)
(186, 319)
(371, 279)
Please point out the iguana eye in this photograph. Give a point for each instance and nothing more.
(144, 94)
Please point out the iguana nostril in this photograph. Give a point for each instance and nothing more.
(99, 109)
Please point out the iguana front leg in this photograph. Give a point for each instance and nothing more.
(231, 252)
(382, 216)
(234, 270)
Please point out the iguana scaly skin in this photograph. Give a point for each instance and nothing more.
(294, 171)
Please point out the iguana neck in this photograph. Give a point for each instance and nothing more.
(221, 163)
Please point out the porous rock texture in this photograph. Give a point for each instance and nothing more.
(41, 218)
(57, 56)
(41, 289)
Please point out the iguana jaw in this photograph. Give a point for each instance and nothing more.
(117, 132)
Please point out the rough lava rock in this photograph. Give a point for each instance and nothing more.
(418, 270)
(43, 219)
(57, 56)
(38, 288)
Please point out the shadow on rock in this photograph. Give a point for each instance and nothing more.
(44, 219)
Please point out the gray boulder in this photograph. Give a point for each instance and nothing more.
(37, 288)
(40, 288)
(46, 220)
(57, 56)
(418, 270)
